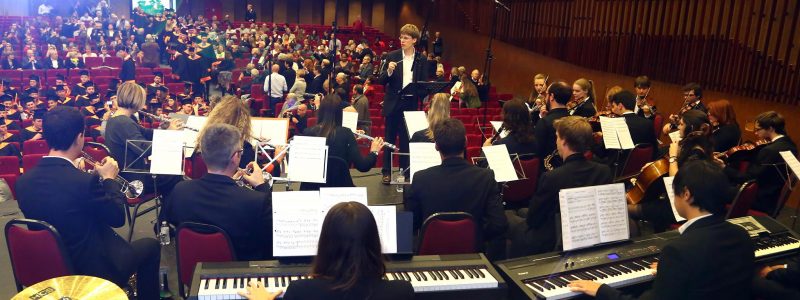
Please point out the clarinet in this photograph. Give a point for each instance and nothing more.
(164, 120)
(385, 144)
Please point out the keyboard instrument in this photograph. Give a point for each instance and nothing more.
(431, 276)
(545, 276)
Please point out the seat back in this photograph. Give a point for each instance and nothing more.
(9, 165)
(521, 191)
(745, 197)
(35, 147)
(36, 252)
(29, 161)
(198, 166)
(636, 159)
(658, 123)
(448, 233)
(196, 242)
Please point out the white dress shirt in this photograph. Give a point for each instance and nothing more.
(690, 222)
(278, 85)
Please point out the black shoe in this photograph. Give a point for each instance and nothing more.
(386, 179)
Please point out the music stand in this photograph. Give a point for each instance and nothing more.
(422, 88)
(514, 158)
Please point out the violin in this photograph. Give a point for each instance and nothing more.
(651, 173)
(746, 147)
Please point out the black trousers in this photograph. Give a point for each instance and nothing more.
(145, 262)
(395, 128)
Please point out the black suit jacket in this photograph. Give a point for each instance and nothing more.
(83, 210)
(310, 289)
(712, 259)
(545, 132)
(29, 65)
(316, 85)
(466, 188)
(585, 109)
(128, 71)
(48, 64)
(768, 176)
(246, 215)
(726, 137)
(538, 233)
(11, 65)
(641, 129)
(392, 102)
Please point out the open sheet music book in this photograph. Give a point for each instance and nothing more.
(792, 162)
(616, 134)
(415, 121)
(593, 215)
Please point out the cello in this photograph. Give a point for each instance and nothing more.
(650, 174)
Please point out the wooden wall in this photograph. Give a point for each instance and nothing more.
(743, 47)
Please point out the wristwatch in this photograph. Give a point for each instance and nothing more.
(673, 159)
(374, 152)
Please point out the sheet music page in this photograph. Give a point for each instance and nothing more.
(579, 226)
(612, 212)
(753, 227)
(307, 162)
(350, 120)
(331, 196)
(275, 130)
(496, 125)
(423, 156)
(300, 140)
(167, 154)
(623, 132)
(415, 121)
(610, 138)
(194, 122)
(675, 136)
(386, 219)
(296, 223)
(671, 195)
(500, 162)
(791, 160)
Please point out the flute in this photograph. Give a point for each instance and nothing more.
(385, 144)
(165, 120)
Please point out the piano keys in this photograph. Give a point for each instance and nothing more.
(432, 277)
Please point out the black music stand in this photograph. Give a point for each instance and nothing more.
(423, 88)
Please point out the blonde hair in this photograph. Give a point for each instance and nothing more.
(130, 95)
(588, 86)
(410, 30)
(439, 111)
(610, 93)
(230, 110)
(540, 76)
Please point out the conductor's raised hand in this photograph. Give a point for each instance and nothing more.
(107, 168)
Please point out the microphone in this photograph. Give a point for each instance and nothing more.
(501, 5)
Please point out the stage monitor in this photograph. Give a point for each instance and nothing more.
(154, 7)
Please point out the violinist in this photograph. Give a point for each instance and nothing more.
(583, 99)
(725, 132)
(692, 99)
(645, 105)
(537, 99)
(767, 166)
(517, 131)
(641, 129)
(695, 144)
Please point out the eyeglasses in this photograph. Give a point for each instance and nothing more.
(688, 95)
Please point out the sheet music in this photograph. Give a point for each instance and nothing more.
(194, 122)
(350, 120)
(671, 195)
(618, 131)
(415, 121)
(273, 129)
(300, 140)
(592, 215)
(675, 136)
(386, 220)
(307, 162)
(792, 161)
(167, 154)
(496, 125)
(500, 162)
(331, 196)
(296, 223)
(422, 156)
(753, 227)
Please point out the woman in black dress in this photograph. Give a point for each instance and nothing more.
(725, 133)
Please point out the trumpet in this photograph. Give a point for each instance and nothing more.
(385, 144)
(131, 189)
(164, 121)
(241, 182)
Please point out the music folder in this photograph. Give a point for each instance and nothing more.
(423, 88)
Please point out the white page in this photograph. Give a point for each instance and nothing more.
(791, 160)
(675, 136)
(167, 154)
(296, 223)
(622, 131)
(350, 120)
(612, 212)
(386, 220)
(300, 140)
(307, 163)
(500, 162)
(579, 226)
(415, 121)
(276, 131)
(610, 138)
(194, 122)
(422, 156)
(671, 195)
(331, 196)
(496, 125)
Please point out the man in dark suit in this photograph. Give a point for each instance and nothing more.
(558, 94)
(767, 167)
(316, 84)
(128, 70)
(250, 14)
(537, 233)
(216, 199)
(11, 63)
(31, 62)
(712, 259)
(640, 128)
(402, 67)
(84, 208)
(468, 188)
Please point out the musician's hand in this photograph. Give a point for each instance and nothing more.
(377, 145)
(278, 150)
(654, 267)
(256, 291)
(107, 168)
(359, 131)
(585, 286)
(391, 67)
(667, 128)
(257, 177)
(767, 269)
(718, 161)
(175, 124)
(487, 142)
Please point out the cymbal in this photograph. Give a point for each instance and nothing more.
(72, 287)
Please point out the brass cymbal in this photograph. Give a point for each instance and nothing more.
(72, 287)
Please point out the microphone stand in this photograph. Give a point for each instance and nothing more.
(332, 44)
(487, 65)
